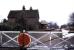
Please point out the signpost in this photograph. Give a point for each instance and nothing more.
(24, 40)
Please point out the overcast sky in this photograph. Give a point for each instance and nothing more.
(49, 10)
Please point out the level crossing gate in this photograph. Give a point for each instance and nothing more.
(45, 39)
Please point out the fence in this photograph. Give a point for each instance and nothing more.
(45, 39)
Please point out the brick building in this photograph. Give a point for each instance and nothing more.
(25, 19)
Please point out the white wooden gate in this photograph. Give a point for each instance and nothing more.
(9, 38)
(39, 38)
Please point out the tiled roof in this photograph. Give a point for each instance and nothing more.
(24, 13)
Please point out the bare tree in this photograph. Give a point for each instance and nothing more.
(71, 22)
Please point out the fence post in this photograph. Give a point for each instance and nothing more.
(0, 38)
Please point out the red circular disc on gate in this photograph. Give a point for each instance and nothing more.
(24, 39)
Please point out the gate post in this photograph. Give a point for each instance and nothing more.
(0, 38)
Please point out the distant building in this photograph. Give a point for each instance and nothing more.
(25, 19)
(43, 25)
